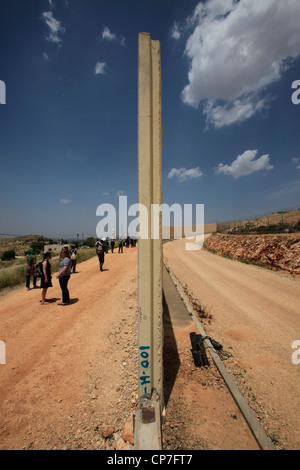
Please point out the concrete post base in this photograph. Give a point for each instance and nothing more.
(148, 425)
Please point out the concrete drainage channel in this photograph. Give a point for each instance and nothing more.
(253, 423)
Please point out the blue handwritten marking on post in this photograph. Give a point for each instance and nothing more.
(145, 364)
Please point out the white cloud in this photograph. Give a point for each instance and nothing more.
(183, 174)
(100, 68)
(175, 32)
(236, 50)
(64, 202)
(120, 193)
(45, 55)
(245, 164)
(108, 36)
(55, 28)
(235, 111)
(296, 161)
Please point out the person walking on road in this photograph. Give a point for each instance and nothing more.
(74, 255)
(64, 275)
(120, 246)
(100, 252)
(46, 276)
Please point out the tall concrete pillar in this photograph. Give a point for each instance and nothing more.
(150, 327)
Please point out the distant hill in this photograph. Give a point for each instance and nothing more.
(287, 218)
(19, 244)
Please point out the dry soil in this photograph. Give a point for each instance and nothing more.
(70, 378)
(254, 313)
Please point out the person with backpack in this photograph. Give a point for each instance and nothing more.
(74, 255)
(46, 276)
(100, 252)
(120, 246)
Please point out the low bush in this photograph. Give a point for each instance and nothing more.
(7, 255)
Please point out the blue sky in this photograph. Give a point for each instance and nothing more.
(68, 128)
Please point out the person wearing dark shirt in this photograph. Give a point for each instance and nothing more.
(46, 276)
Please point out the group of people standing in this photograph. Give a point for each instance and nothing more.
(103, 245)
(63, 275)
(67, 265)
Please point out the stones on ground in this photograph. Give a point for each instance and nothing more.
(108, 431)
(280, 251)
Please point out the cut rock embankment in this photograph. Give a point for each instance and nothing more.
(280, 251)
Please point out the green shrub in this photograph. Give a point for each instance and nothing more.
(38, 245)
(7, 255)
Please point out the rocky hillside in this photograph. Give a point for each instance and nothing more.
(18, 244)
(280, 251)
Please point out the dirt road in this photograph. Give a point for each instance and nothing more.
(70, 379)
(256, 317)
(71, 370)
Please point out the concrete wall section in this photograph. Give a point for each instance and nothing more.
(145, 300)
(157, 200)
(149, 193)
(56, 248)
(171, 232)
